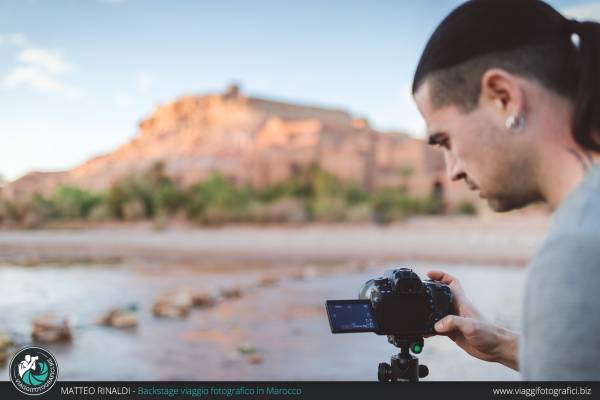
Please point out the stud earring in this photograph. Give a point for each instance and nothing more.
(515, 122)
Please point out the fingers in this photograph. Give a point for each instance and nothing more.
(442, 276)
(449, 280)
(451, 323)
(460, 304)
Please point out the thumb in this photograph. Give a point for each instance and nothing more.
(451, 323)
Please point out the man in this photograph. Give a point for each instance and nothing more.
(513, 100)
(27, 364)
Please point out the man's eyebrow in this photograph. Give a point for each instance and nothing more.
(435, 138)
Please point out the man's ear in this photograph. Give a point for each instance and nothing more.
(501, 90)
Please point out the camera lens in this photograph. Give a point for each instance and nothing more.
(366, 289)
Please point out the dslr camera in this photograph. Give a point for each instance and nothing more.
(400, 305)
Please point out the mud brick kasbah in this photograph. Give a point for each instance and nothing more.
(258, 142)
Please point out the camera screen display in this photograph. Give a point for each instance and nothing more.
(346, 316)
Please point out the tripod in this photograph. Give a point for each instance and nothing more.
(403, 366)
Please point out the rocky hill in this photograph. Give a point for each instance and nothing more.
(252, 141)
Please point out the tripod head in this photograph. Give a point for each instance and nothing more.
(403, 366)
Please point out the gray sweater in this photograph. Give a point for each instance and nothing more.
(560, 339)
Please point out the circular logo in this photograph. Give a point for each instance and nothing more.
(33, 370)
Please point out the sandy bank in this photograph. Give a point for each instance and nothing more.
(467, 240)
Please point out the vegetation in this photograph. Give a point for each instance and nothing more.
(467, 208)
(311, 195)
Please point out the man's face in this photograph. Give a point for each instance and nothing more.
(478, 148)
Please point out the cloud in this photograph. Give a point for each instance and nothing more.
(38, 69)
(583, 11)
(34, 78)
(13, 39)
(50, 61)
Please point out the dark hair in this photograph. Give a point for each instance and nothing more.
(525, 37)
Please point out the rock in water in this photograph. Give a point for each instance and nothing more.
(48, 329)
(119, 318)
(203, 299)
(234, 292)
(5, 341)
(267, 280)
(255, 359)
(174, 304)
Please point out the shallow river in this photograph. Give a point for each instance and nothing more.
(285, 324)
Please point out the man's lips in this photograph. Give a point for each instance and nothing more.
(475, 188)
(471, 185)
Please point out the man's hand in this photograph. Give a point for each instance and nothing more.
(471, 331)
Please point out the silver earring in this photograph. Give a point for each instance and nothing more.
(515, 122)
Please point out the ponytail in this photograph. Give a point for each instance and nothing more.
(586, 119)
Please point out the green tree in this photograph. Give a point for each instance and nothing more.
(217, 200)
(153, 189)
(71, 202)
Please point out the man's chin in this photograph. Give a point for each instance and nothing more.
(505, 205)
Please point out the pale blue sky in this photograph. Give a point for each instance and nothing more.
(76, 76)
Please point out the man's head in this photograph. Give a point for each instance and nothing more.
(496, 81)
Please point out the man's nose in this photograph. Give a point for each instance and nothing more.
(453, 167)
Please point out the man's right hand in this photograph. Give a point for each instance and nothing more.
(469, 330)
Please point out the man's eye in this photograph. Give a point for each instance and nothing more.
(445, 143)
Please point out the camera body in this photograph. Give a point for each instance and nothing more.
(404, 305)
(398, 304)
